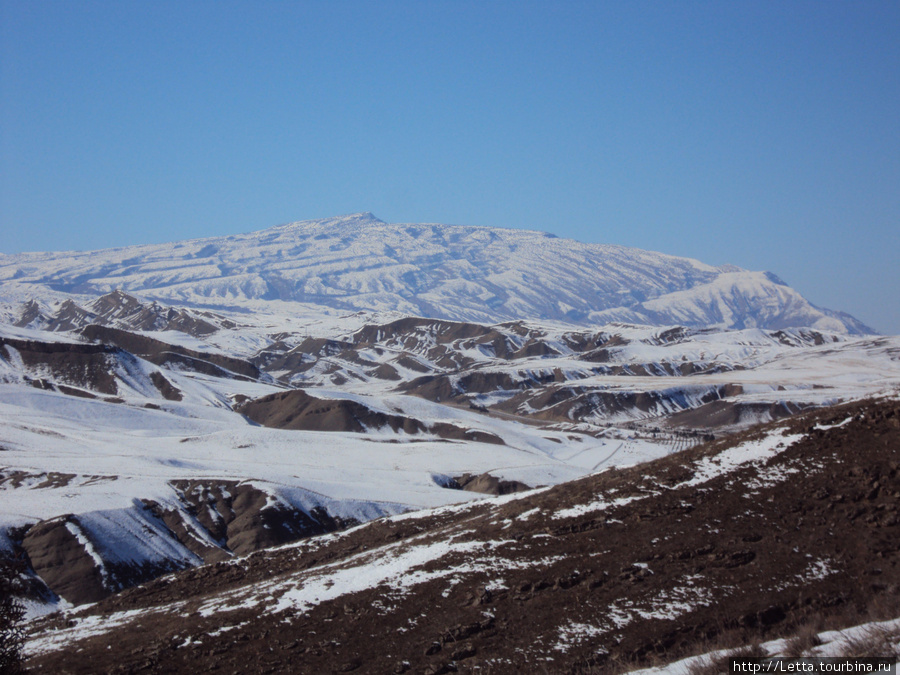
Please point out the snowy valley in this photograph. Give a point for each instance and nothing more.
(168, 407)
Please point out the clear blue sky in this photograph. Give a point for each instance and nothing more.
(763, 134)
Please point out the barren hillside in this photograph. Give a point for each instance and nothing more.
(741, 538)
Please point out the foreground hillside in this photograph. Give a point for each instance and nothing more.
(749, 537)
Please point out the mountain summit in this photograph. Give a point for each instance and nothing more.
(485, 274)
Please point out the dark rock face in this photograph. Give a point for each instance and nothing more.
(502, 369)
(626, 566)
(242, 519)
(716, 414)
(168, 390)
(65, 555)
(129, 311)
(80, 369)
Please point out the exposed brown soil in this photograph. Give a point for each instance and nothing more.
(82, 365)
(54, 552)
(297, 410)
(442, 352)
(567, 402)
(168, 390)
(726, 414)
(237, 517)
(55, 555)
(445, 331)
(80, 369)
(119, 306)
(14, 479)
(278, 357)
(667, 565)
(242, 519)
(163, 353)
(487, 484)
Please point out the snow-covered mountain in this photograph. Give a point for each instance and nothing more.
(484, 274)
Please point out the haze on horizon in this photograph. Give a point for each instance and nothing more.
(760, 134)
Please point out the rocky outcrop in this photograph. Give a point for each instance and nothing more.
(298, 410)
(57, 554)
(69, 556)
(125, 311)
(121, 310)
(81, 365)
(241, 518)
(487, 484)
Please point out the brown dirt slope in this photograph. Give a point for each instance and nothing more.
(74, 368)
(163, 353)
(217, 520)
(298, 410)
(631, 565)
(81, 365)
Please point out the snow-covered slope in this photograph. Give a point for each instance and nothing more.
(358, 262)
(130, 453)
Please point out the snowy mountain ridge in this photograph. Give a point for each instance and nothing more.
(465, 273)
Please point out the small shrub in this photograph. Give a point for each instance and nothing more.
(704, 665)
(719, 664)
(805, 640)
(12, 612)
(874, 641)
